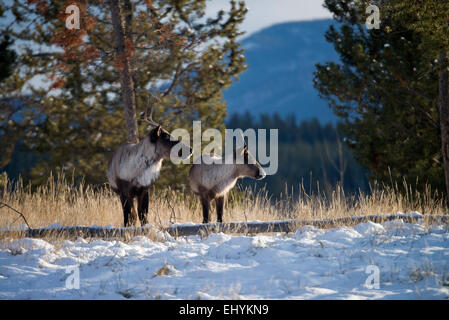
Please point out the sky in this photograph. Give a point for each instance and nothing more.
(264, 13)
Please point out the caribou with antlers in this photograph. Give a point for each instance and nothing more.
(133, 167)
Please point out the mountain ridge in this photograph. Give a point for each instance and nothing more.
(281, 60)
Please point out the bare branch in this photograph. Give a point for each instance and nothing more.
(2, 204)
(174, 81)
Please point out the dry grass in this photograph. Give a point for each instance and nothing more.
(58, 201)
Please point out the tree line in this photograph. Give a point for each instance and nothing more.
(312, 157)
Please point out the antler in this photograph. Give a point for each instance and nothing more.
(243, 138)
(149, 118)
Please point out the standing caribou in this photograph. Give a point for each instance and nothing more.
(133, 167)
(212, 179)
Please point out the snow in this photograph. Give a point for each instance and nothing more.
(369, 229)
(412, 262)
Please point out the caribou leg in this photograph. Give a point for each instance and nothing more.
(142, 199)
(205, 203)
(129, 213)
(219, 201)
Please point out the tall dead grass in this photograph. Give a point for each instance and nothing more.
(61, 202)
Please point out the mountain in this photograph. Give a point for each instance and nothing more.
(281, 60)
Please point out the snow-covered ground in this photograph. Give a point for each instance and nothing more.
(395, 260)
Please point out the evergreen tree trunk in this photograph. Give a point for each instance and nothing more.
(443, 78)
(125, 65)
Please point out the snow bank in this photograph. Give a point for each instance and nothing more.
(369, 228)
(411, 261)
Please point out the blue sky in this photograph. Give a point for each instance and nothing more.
(264, 13)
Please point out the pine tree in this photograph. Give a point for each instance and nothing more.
(172, 56)
(385, 91)
(8, 59)
(429, 18)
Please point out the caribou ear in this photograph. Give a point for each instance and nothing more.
(155, 134)
(239, 151)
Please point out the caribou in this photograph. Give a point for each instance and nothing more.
(212, 178)
(134, 166)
